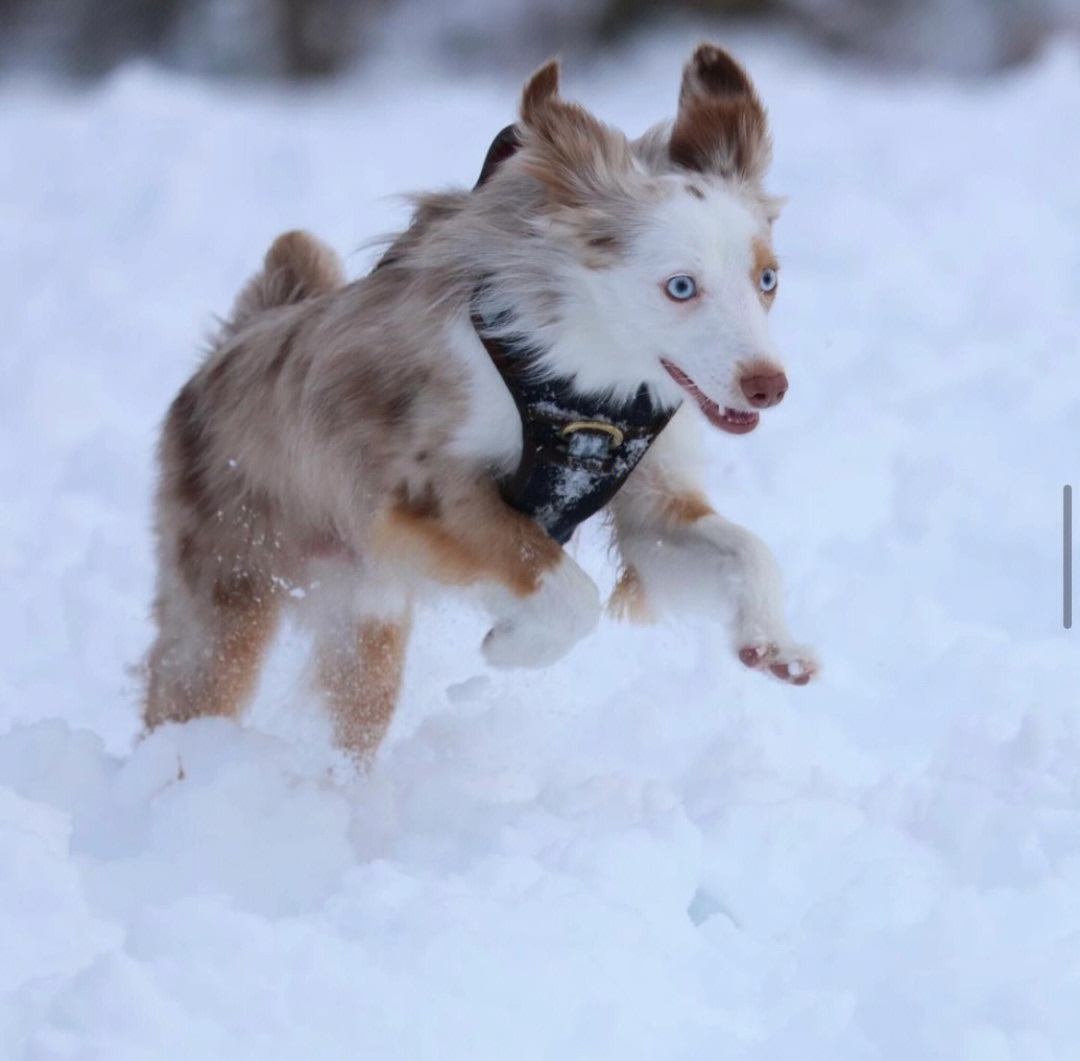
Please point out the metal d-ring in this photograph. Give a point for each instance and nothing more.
(593, 425)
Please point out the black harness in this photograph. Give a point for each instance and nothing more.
(577, 449)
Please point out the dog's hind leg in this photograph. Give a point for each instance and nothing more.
(359, 670)
(209, 646)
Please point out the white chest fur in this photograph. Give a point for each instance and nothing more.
(490, 433)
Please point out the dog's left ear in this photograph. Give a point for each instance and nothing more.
(574, 155)
(720, 127)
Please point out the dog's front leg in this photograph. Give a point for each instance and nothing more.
(677, 551)
(543, 602)
(538, 627)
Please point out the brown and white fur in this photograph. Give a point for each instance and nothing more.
(342, 441)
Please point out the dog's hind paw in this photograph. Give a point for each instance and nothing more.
(795, 664)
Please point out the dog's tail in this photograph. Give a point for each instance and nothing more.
(297, 266)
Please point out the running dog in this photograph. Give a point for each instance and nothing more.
(509, 367)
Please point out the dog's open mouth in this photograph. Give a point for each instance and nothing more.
(733, 420)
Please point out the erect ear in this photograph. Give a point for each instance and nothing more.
(539, 93)
(720, 127)
(575, 156)
(540, 89)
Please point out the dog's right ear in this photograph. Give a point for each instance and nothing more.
(574, 155)
(541, 90)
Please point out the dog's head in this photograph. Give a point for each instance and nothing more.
(668, 271)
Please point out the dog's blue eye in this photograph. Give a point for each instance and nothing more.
(681, 287)
(768, 280)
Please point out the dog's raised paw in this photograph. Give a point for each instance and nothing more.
(546, 625)
(533, 638)
(517, 643)
(794, 664)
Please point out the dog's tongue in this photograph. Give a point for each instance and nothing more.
(732, 420)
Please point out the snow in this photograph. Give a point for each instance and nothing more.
(643, 851)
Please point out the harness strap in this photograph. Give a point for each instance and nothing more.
(577, 450)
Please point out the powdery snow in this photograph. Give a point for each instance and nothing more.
(643, 852)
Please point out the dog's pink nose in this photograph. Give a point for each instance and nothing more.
(763, 389)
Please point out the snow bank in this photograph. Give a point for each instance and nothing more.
(642, 852)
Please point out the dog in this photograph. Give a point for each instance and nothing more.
(354, 444)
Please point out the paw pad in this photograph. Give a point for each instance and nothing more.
(796, 667)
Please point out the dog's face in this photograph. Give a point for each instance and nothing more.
(672, 272)
(687, 305)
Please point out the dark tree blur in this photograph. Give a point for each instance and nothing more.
(302, 39)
